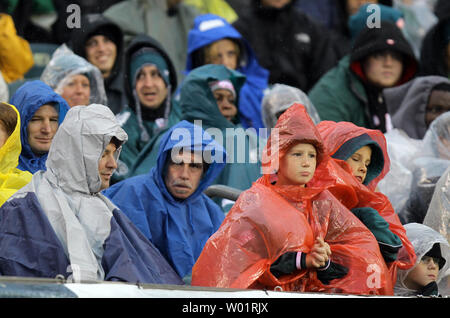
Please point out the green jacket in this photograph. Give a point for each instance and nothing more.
(340, 96)
(197, 103)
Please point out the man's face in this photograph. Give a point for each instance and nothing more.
(353, 5)
(42, 128)
(106, 165)
(224, 52)
(298, 165)
(226, 103)
(150, 87)
(359, 161)
(77, 91)
(438, 103)
(101, 52)
(183, 175)
(383, 69)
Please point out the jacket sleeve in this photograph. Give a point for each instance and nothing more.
(16, 57)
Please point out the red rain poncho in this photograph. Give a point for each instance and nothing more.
(334, 136)
(268, 221)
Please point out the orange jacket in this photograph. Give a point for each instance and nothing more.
(16, 57)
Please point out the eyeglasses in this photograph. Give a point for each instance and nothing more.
(427, 259)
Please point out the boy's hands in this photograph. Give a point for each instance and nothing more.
(319, 254)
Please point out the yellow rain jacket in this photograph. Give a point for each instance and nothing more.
(11, 178)
(16, 57)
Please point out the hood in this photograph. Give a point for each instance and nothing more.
(387, 36)
(64, 64)
(28, 99)
(209, 28)
(138, 42)
(197, 101)
(193, 137)
(10, 151)
(78, 145)
(435, 143)
(94, 24)
(294, 125)
(280, 97)
(407, 104)
(422, 238)
(342, 139)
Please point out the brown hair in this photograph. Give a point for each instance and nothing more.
(8, 118)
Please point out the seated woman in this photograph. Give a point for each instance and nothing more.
(11, 178)
(75, 79)
(366, 160)
(284, 233)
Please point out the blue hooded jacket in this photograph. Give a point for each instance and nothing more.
(179, 229)
(28, 99)
(209, 28)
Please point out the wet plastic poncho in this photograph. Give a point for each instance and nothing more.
(338, 136)
(428, 165)
(438, 214)
(28, 99)
(279, 97)
(407, 104)
(422, 238)
(179, 229)
(61, 219)
(268, 221)
(64, 64)
(209, 28)
(11, 178)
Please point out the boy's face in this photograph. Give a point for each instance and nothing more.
(383, 69)
(101, 52)
(425, 272)
(359, 161)
(438, 103)
(298, 165)
(150, 87)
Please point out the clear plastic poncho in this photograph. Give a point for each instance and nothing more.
(64, 64)
(423, 238)
(429, 164)
(280, 97)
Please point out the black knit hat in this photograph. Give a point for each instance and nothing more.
(387, 37)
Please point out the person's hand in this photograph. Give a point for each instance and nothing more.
(319, 254)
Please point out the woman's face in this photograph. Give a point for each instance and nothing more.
(3, 135)
(298, 165)
(359, 161)
(225, 52)
(383, 69)
(77, 91)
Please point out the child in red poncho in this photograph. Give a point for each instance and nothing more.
(284, 232)
(361, 153)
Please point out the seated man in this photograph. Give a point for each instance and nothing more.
(167, 204)
(60, 224)
(41, 113)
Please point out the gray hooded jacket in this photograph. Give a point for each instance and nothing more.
(407, 104)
